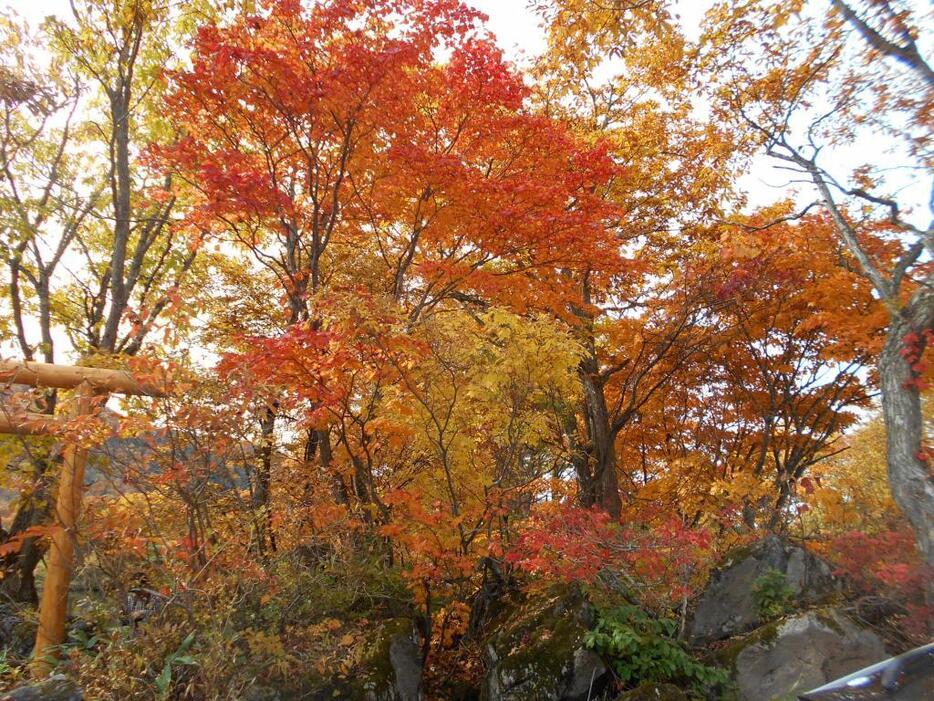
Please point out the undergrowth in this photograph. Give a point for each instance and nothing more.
(643, 648)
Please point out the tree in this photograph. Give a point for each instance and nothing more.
(358, 170)
(619, 72)
(42, 211)
(43, 204)
(782, 364)
(802, 82)
(137, 256)
(795, 345)
(76, 188)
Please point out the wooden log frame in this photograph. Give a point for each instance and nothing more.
(27, 424)
(53, 607)
(70, 376)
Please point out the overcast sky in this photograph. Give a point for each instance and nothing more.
(517, 28)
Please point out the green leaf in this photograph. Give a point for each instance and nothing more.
(164, 679)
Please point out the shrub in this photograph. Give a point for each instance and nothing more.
(772, 595)
(642, 648)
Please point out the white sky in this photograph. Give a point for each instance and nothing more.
(517, 30)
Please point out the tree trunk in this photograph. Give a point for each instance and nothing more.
(120, 193)
(19, 582)
(604, 483)
(600, 487)
(909, 472)
(580, 461)
(262, 513)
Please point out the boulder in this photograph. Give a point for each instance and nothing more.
(55, 688)
(727, 606)
(536, 651)
(802, 652)
(386, 667)
(405, 658)
(394, 664)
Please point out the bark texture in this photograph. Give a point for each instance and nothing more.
(910, 475)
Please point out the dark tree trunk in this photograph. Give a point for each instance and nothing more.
(261, 483)
(602, 484)
(19, 582)
(120, 192)
(580, 461)
(596, 462)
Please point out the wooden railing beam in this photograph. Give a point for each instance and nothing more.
(34, 374)
(28, 424)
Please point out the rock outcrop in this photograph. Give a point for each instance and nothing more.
(536, 651)
(802, 652)
(405, 659)
(727, 606)
(17, 634)
(259, 692)
(393, 665)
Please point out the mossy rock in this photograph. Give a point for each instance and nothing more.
(258, 692)
(727, 606)
(654, 692)
(389, 671)
(791, 655)
(725, 656)
(535, 649)
(17, 631)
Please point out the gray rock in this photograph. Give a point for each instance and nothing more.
(804, 652)
(395, 664)
(588, 667)
(55, 688)
(727, 607)
(389, 668)
(536, 651)
(406, 661)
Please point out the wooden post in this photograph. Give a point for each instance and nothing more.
(53, 608)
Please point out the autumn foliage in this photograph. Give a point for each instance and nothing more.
(436, 329)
